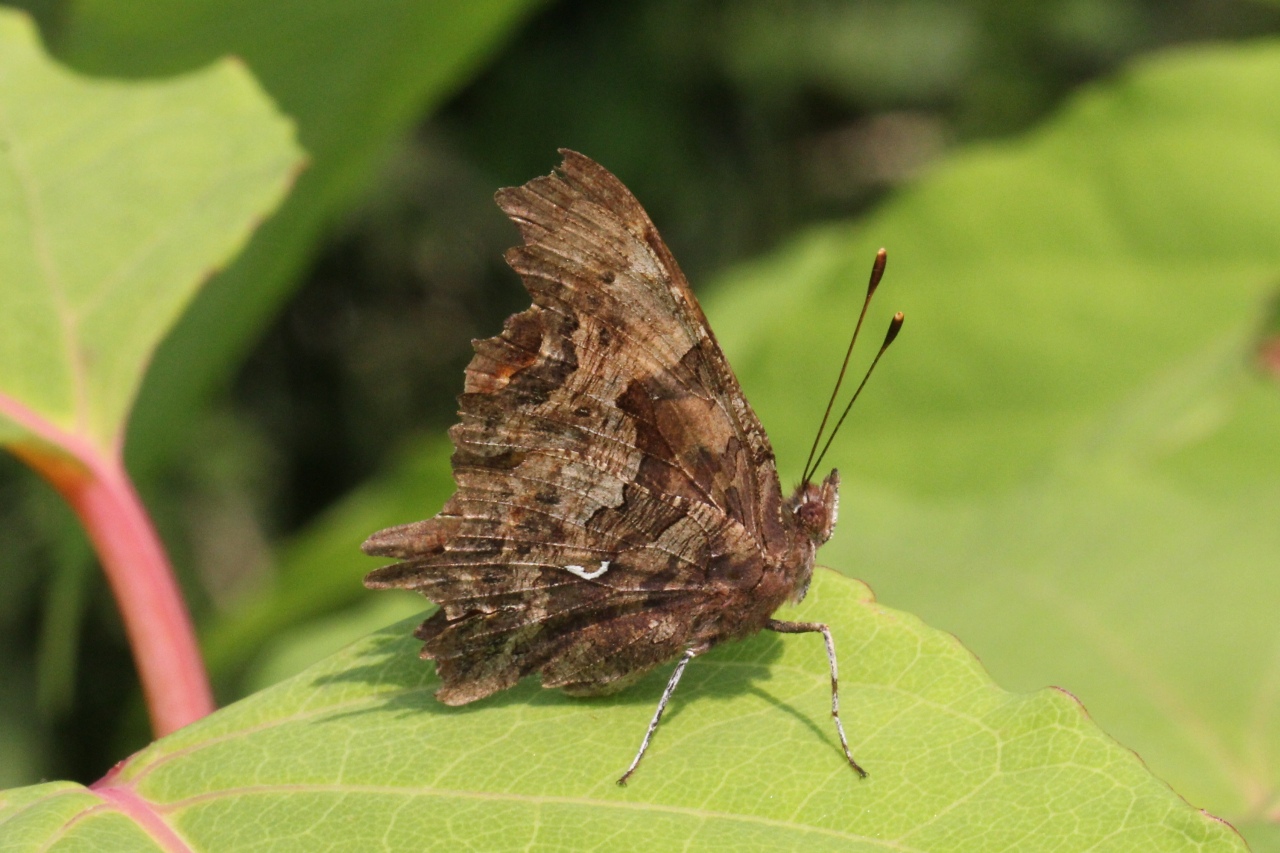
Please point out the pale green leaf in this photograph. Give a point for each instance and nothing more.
(117, 201)
(355, 754)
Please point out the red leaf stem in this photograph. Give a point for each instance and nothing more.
(156, 620)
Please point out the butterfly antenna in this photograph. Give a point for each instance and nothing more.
(895, 325)
(877, 272)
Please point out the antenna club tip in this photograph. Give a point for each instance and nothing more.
(877, 272)
(895, 326)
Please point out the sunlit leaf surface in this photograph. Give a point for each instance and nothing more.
(355, 754)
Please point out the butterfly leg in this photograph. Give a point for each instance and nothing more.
(662, 706)
(819, 628)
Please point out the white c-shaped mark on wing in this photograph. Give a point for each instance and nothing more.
(592, 575)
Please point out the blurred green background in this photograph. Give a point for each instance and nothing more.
(302, 402)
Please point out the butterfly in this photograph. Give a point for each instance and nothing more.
(618, 504)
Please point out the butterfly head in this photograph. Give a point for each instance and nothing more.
(815, 506)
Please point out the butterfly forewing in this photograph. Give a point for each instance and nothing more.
(592, 254)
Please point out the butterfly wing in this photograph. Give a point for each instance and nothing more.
(611, 477)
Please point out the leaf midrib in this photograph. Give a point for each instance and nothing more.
(530, 799)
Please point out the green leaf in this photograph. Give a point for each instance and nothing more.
(355, 754)
(354, 76)
(117, 200)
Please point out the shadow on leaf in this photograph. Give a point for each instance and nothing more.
(388, 661)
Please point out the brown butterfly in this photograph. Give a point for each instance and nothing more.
(618, 505)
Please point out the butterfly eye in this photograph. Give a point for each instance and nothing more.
(815, 518)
